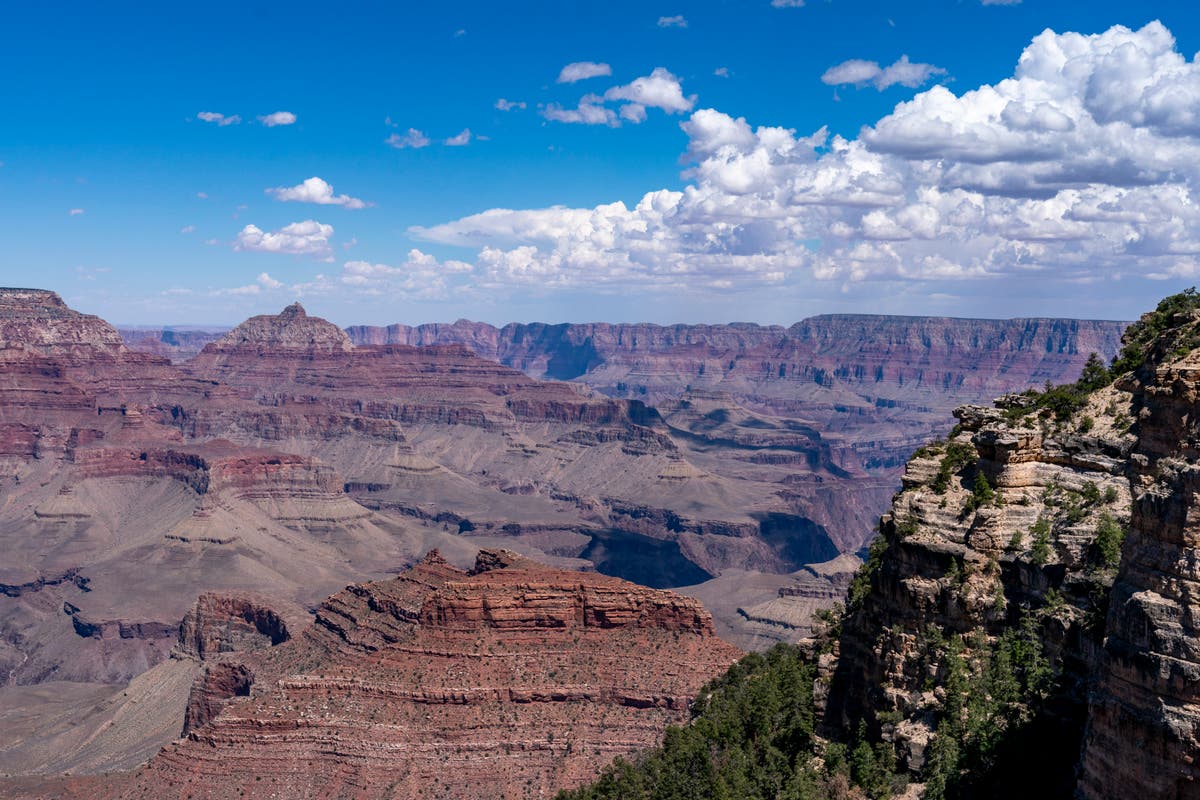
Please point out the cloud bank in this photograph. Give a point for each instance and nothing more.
(1084, 164)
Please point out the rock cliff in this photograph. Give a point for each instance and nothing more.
(1144, 715)
(506, 681)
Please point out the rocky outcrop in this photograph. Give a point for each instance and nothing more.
(507, 681)
(220, 631)
(227, 622)
(999, 543)
(38, 321)
(1144, 715)
(290, 329)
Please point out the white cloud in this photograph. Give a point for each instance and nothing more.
(188, 229)
(459, 139)
(412, 138)
(510, 105)
(1001, 2)
(420, 276)
(860, 73)
(588, 112)
(660, 89)
(218, 119)
(787, 3)
(202, 195)
(278, 118)
(262, 282)
(582, 70)
(721, 72)
(676, 21)
(299, 238)
(74, 212)
(315, 190)
(1084, 164)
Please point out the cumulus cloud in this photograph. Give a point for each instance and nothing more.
(676, 21)
(420, 276)
(1084, 164)
(187, 229)
(459, 139)
(787, 3)
(411, 138)
(278, 118)
(582, 70)
(218, 119)
(74, 212)
(315, 190)
(860, 73)
(510, 105)
(264, 281)
(299, 238)
(660, 89)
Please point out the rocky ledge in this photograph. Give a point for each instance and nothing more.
(507, 681)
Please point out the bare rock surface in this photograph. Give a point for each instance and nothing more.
(506, 681)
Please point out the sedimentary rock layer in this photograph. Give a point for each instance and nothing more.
(507, 681)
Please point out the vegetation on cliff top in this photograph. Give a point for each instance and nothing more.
(754, 733)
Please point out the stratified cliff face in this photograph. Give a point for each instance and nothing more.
(902, 369)
(979, 620)
(860, 392)
(507, 681)
(1144, 720)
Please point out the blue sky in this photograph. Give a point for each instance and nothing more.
(144, 178)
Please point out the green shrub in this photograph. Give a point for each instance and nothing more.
(1109, 536)
(958, 455)
(1041, 541)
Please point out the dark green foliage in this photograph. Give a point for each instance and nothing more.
(958, 455)
(1041, 541)
(750, 737)
(991, 696)
(1094, 375)
(1141, 335)
(860, 585)
(981, 495)
(1109, 536)
(930, 450)
(873, 766)
(1062, 401)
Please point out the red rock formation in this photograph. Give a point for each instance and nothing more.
(227, 622)
(505, 682)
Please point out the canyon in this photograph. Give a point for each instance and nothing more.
(286, 460)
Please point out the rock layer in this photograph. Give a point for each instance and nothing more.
(507, 681)
(1144, 716)
(954, 573)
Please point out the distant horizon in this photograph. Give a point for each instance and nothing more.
(210, 327)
